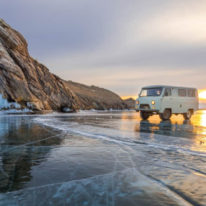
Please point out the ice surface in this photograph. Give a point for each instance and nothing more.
(116, 188)
(102, 158)
(182, 145)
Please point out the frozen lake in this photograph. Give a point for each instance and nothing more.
(102, 158)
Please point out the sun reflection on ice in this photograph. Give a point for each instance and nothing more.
(193, 130)
(203, 119)
(199, 123)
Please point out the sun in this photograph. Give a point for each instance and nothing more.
(202, 94)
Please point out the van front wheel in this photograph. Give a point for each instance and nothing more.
(166, 114)
(188, 115)
(144, 115)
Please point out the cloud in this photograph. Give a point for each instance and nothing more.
(117, 44)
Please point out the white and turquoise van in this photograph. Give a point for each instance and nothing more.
(167, 100)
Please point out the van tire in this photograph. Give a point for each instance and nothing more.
(166, 114)
(188, 115)
(144, 115)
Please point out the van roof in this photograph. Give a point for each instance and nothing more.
(166, 86)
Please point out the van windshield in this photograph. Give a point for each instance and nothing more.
(149, 92)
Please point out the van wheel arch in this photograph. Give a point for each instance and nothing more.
(192, 110)
(144, 115)
(166, 114)
(188, 115)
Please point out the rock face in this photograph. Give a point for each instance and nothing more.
(92, 97)
(28, 83)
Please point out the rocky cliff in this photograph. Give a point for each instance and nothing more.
(26, 83)
(95, 97)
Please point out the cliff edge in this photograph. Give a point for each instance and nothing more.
(26, 83)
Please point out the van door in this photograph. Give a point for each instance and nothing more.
(192, 99)
(167, 100)
(182, 101)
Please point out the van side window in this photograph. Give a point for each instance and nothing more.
(168, 92)
(191, 92)
(182, 92)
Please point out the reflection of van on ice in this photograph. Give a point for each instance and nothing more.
(167, 100)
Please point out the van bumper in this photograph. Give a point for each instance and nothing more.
(148, 110)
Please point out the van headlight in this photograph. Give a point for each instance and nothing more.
(153, 102)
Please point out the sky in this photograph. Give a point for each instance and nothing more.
(121, 45)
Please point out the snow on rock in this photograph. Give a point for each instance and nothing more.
(4, 104)
(67, 110)
(11, 107)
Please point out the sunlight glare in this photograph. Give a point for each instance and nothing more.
(202, 94)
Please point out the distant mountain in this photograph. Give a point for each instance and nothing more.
(26, 83)
(130, 102)
(95, 97)
(202, 105)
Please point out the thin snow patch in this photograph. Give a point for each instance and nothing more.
(11, 107)
(4, 104)
(16, 111)
(67, 110)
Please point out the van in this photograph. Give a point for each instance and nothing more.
(167, 100)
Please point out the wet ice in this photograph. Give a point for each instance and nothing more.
(102, 158)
